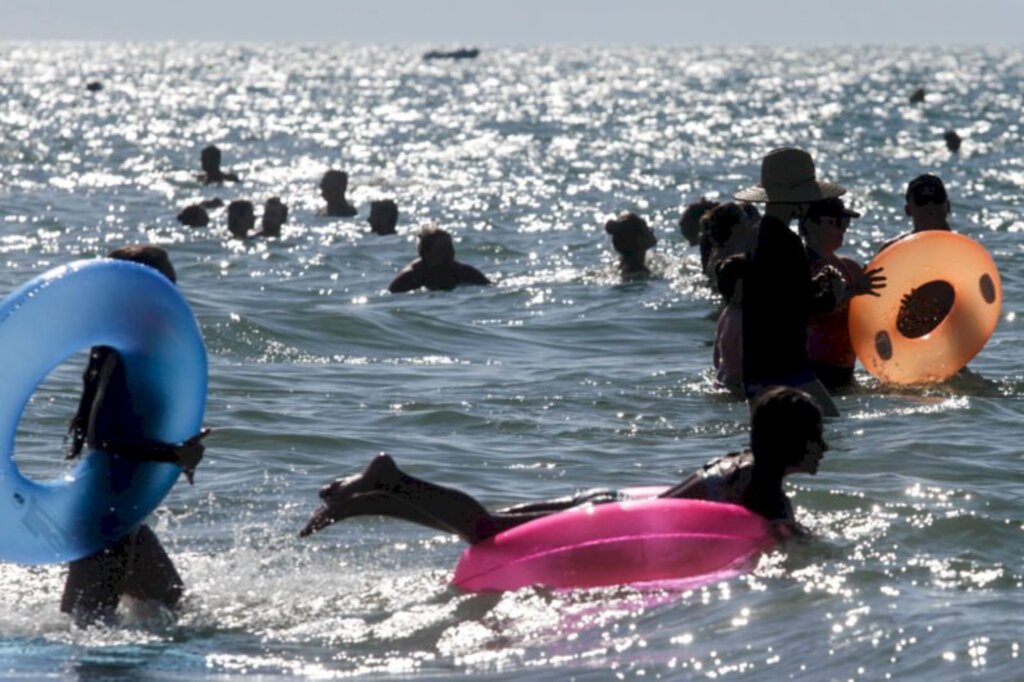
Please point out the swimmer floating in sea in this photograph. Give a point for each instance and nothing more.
(785, 438)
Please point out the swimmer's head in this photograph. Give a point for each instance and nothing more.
(210, 158)
(927, 203)
(952, 140)
(275, 214)
(144, 254)
(383, 216)
(435, 245)
(824, 223)
(630, 234)
(333, 185)
(194, 216)
(786, 433)
(689, 223)
(721, 222)
(241, 218)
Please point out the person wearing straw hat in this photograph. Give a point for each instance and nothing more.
(779, 294)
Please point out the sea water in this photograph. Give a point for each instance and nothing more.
(556, 378)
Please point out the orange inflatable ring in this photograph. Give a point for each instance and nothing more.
(962, 273)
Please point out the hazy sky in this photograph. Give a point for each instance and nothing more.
(524, 22)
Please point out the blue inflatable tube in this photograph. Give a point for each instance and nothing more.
(137, 311)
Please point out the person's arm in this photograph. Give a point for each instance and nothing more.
(187, 455)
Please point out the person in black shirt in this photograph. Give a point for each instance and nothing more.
(779, 294)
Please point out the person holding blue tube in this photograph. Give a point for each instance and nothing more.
(137, 565)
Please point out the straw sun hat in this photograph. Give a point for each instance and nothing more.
(787, 175)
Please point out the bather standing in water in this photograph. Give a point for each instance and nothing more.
(632, 239)
(436, 267)
(135, 566)
(212, 174)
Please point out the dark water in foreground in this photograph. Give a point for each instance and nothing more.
(558, 377)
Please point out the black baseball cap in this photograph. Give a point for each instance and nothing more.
(926, 188)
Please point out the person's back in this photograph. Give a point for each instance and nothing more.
(727, 356)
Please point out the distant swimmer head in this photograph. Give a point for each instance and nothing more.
(786, 431)
(333, 185)
(788, 176)
(275, 214)
(194, 216)
(927, 203)
(145, 254)
(953, 140)
(630, 234)
(435, 246)
(383, 216)
(241, 218)
(209, 158)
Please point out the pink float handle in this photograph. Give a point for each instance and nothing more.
(616, 543)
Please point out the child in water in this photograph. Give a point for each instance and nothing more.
(785, 438)
(136, 565)
(829, 347)
(632, 239)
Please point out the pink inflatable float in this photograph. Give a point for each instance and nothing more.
(616, 543)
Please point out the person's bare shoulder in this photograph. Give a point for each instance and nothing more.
(409, 279)
(469, 275)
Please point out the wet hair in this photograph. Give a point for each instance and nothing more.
(624, 231)
(729, 273)
(780, 420)
(430, 235)
(210, 155)
(144, 254)
(335, 177)
(385, 212)
(692, 215)
(194, 216)
(719, 222)
(238, 209)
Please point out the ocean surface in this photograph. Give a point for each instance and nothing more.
(556, 378)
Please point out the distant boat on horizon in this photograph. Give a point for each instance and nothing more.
(462, 53)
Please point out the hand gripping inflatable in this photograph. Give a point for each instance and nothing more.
(614, 544)
(137, 311)
(942, 261)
